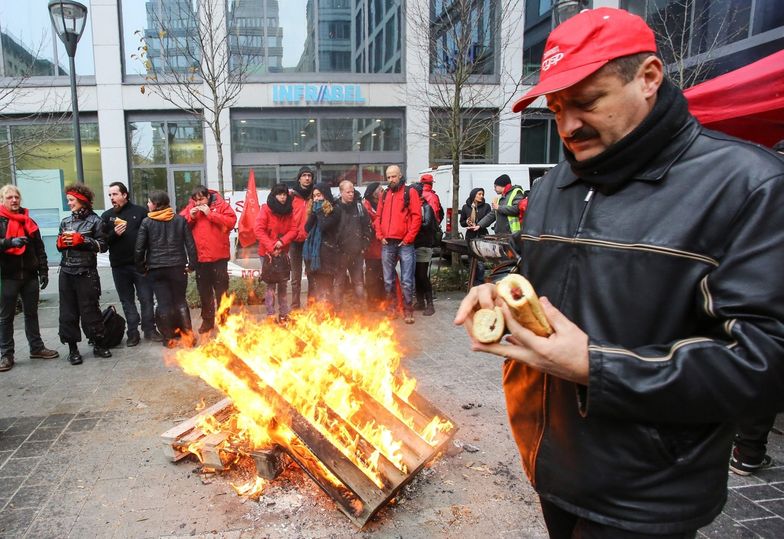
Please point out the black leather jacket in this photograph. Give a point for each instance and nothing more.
(675, 279)
(164, 244)
(91, 227)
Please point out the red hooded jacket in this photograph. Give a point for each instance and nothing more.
(396, 221)
(271, 226)
(373, 252)
(211, 231)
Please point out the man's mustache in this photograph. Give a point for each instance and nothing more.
(584, 133)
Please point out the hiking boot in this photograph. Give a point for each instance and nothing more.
(747, 468)
(429, 310)
(75, 358)
(408, 317)
(6, 363)
(153, 335)
(101, 352)
(44, 353)
(133, 340)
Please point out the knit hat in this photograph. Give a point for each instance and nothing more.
(426, 178)
(779, 146)
(370, 189)
(304, 170)
(503, 180)
(325, 190)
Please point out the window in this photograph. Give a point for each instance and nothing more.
(330, 36)
(29, 46)
(166, 155)
(168, 28)
(479, 129)
(347, 144)
(463, 35)
(39, 159)
(540, 142)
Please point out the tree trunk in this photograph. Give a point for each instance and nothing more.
(216, 131)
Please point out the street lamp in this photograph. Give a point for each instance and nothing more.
(566, 9)
(68, 18)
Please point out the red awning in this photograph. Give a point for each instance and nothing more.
(747, 103)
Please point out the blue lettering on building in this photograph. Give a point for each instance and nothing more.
(314, 94)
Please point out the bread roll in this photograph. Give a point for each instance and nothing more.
(489, 325)
(118, 221)
(519, 294)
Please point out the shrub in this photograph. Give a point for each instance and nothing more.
(246, 291)
(446, 278)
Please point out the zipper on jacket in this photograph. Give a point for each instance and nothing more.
(587, 200)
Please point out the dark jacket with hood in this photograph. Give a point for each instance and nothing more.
(355, 227)
(328, 220)
(671, 267)
(482, 210)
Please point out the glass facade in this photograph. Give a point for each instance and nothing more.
(480, 131)
(328, 36)
(29, 46)
(354, 145)
(539, 141)
(168, 155)
(169, 29)
(463, 36)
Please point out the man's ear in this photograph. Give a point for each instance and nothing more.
(651, 74)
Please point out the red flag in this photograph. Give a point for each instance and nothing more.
(250, 211)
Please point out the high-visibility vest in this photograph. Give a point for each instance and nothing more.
(514, 221)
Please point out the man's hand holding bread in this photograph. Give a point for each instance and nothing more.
(538, 333)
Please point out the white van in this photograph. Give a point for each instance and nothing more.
(472, 176)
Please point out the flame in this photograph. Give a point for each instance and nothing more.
(253, 488)
(334, 373)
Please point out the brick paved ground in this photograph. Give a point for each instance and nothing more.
(80, 455)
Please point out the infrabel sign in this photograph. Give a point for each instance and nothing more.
(314, 94)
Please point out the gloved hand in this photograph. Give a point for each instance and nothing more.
(44, 280)
(18, 241)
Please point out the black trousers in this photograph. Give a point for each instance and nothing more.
(79, 295)
(424, 288)
(295, 254)
(212, 280)
(172, 313)
(751, 441)
(10, 289)
(564, 525)
(131, 284)
(350, 268)
(374, 282)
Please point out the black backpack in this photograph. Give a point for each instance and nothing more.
(114, 327)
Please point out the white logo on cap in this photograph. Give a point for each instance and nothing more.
(551, 61)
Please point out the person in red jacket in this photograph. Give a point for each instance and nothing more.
(210, 219)
(276, 228)
(301, 193)
(398, 222)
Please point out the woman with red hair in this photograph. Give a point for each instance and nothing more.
(81, 237)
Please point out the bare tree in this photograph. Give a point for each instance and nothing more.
(691, 33)
(187, 57)
(467, 83)
(39, 126)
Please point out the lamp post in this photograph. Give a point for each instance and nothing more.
(68, 18)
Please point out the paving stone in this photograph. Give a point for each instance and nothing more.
(723, 527)
(82, 425)
(47, 526)
(8, 485)
(767, 528)
(6, 422)
(760, 492)
(45, 434)
(12, 443)
(31, 497)
(4, 456)
(23, 426)
(19, 467)
(32, 449)
(14, 522)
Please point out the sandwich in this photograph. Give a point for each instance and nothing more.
(524, 304)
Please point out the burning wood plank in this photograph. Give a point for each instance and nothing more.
(326, 394)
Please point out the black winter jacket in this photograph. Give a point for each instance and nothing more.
(164, 244)
(482, 210)
(32, 262)
(121, 248)
(90, 226)
(354, 229)
(675, 279)
(330, 230)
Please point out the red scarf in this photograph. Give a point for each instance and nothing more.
(19, 224)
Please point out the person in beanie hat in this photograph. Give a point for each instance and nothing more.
(506, 207)
(80, 238)
(301, 194)
(23, 266)
(656, 249)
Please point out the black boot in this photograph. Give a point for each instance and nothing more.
(74, 357)
(100, 351)
(430, 310)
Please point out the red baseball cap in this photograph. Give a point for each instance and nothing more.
(581, 45)
(426, 178)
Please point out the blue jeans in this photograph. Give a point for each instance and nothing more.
(390, 254)
(130, 283)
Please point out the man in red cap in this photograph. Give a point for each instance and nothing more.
(658, 245)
